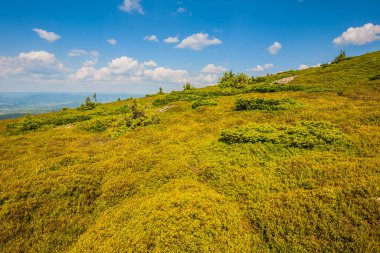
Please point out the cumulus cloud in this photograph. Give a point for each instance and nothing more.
(150, 64)
(261, 68)
(275, 48)
(359, 35)
(171, 39)
(198, 41)
(43, 68)
(212, 69)
(33, 63)
(86, 71)
(81, 53)
(205, 79)
(128, 69)
(163, 74)
(112, 42)
(303, 66)
(49, 36)
(151, 38)
(131, 6)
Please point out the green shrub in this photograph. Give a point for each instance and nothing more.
(95, 126)
(341, 57)
(263, 104)
(199, 103)
(375, 77)
(88, 104)
(304, 135)
(187, 86)
(136, 117)
(237, 81)
(28, 123)
(270, 88)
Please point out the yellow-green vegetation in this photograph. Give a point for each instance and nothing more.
(249, 165)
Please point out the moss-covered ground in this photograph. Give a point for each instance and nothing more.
(296, 170)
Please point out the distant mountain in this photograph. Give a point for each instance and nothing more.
(13, 105)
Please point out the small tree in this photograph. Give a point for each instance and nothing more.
(88, 104)
(160, 91)
(137, 111)
(342, 56)
(187, 86)
(94, 96)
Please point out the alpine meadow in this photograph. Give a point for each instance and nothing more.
(287, 162)
(179, 126)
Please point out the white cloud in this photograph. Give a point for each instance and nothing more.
(151, 38)
(81, 53)
(198, 41)
(150, 64)
(359, 35)
(132, 5)
(86, 71)
(163, 74)
(182, 11)
(112, 41)
(123, 64)
(275, 48)
(42, 69)
(172, 39)
(128, 69)
(37, 56)
(49, 36)
(212, 69)
(205, 79)
(31, 65)
(261, 68)
(303, 66)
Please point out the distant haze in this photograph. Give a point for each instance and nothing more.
(16, 104)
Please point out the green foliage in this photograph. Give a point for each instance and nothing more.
(237, 81)
(160, 91)
(199, 103)
(95, 125)
(184, 216)
(264, 104)
(271, 88)
(341, 57)
(136, 117)
(304, 135)
(189, 95)
(187, 87)
(289, 181)
(374, 78)
(29, 123)
(88, 104)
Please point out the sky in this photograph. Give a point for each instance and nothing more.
(137, 46)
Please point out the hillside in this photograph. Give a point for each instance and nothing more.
(250, 165)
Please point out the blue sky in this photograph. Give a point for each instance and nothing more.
(65, 46)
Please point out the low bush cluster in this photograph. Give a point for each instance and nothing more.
(136, 117)
(188, 95)
(199, 103)
(29, 123)
(375, 77)
(264, 104)
(304, 135)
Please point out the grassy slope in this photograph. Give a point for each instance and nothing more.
(174, 187)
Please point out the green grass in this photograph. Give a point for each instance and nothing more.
(295, 169)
